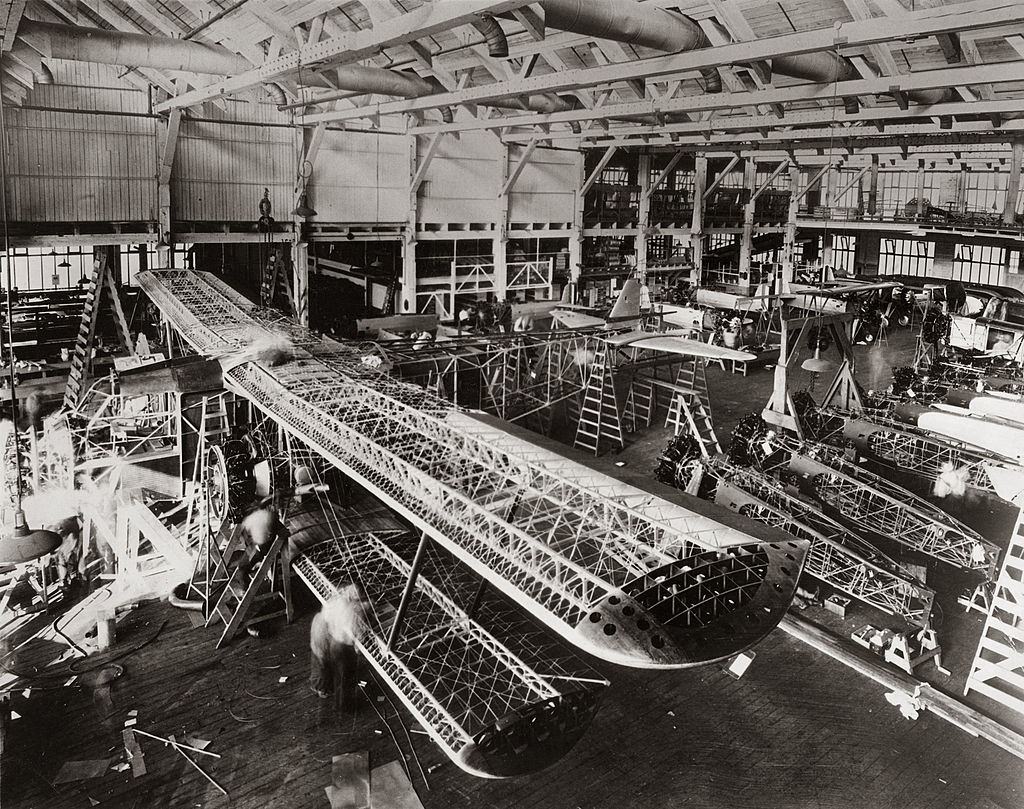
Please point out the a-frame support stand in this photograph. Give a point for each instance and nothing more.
(102, 280)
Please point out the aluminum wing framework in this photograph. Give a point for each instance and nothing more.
(837, 556)
(856, 495)
(500, 701)
(617, 571)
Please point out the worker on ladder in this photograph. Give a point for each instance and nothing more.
(259, 528)
(332, 641)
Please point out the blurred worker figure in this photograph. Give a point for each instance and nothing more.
(260, 528)
(332, 641)
(69, 554)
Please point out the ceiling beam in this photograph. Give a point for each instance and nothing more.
(824, 91)
(433, 18)
(589, 182)
(972, 15)
(837, 138)
(740, 123)
(514, 174)
(649, 191)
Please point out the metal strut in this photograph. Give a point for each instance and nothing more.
(410, 585)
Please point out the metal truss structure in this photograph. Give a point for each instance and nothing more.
(905, 449)
(529, 378)
(856, 496)
(619, 572)
(837, 557)
(500, 700)
(129, 438)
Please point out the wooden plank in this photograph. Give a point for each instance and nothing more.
(350, 781)
(390, 788)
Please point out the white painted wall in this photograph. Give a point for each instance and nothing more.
(361, 178)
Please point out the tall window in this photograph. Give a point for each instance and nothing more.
(844, 250)
(984, 264)
(906, 257)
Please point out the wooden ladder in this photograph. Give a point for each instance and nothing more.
(638, 411)
(389, 295)
(599, 415)
(690, 407)
(275, 286)
(81, 361)
(238, 598)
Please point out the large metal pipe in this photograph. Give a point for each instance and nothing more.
(645, 24)
(631, 23)
(405, 84)
(27, 57)
(497, 42)
(133, 50)
(828, 66)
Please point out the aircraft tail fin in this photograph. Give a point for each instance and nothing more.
(566, 295)
(628, 304)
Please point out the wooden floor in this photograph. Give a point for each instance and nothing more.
(798, 730)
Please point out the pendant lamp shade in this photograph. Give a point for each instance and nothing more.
(25, 545)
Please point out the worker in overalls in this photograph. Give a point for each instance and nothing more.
(332, 640)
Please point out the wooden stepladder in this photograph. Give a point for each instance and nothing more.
(270, 582)
(600, 418)
(275, 289)
(690, 407)
(102, 279)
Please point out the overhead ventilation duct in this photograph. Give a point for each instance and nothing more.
(646, 25)
(494, 36)
(828, 66)
(105, 47)
(631, 23)
(404, 84)
(24, 55)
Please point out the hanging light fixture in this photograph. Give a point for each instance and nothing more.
(20, 544)
(303, 209)
(65, 264)
(818, 364)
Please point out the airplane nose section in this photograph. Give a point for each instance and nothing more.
(699, 609)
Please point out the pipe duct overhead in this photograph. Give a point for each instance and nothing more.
(403, 84)
(631, 23)
(132, 50)
(24, 55)
(646, 25)
(826, 66)
(494, 36)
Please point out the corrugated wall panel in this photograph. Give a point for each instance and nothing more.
(77, 166)
(361, 178)
(461, 183)
(544, 191)
(221, 170)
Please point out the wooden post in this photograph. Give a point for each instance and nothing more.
(1013, 183)
(499, 247)
(408, 291)
(700, 181)
(747, 237)
(873, 186)
(643, 220)
(576, 233)
(789, 242)
(300, 276)
(920, 188)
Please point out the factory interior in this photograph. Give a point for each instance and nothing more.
(566, 404)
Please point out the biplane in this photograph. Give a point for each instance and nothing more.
(634, 576)
(625, 318)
